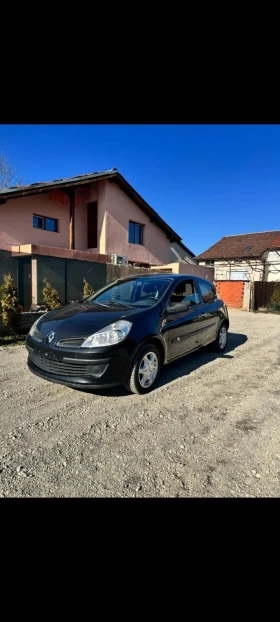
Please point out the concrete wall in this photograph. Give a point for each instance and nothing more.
(184, 268)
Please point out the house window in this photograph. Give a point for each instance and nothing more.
(236, 275)
(48, 224)
(135, 233)
(210, 264)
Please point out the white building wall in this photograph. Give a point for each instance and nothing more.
(273, 266)
(227, 271)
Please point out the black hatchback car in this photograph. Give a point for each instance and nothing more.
(127, 331)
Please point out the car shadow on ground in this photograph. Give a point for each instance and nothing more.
(183, 366)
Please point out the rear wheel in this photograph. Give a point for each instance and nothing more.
(145, 370)
(221, 341)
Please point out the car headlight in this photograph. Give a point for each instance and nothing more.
(109, 335)
(34, 331)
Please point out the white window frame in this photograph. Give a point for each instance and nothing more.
(238, 275)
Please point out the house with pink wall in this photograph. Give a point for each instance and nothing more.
(98, 213)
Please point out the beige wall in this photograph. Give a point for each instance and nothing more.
(119, 210)
(115, 210)
(16, 222)
(190, 269)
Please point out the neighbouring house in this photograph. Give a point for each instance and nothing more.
(99, 212)
(240, 262)
(179, 252)
(245, 257)
(182, 261)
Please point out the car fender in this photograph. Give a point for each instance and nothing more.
(224, 320)
(148, 339)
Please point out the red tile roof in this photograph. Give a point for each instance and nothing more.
(275, 243)
(244, 245)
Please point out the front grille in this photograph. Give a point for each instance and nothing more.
(70, 343)
(58, 367)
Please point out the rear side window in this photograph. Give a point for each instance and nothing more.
(208, 292)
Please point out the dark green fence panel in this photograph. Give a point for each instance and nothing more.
(8, 263)
(94, 273)
(54, 270)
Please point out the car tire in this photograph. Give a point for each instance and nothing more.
(219, 345)
(145, 370)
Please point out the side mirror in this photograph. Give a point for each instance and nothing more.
(178, 307)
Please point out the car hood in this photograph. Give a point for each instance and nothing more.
(83, 319)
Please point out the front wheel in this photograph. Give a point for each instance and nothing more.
(145, 371)
(221, 340)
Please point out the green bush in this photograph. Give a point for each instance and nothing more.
(88, 289)
(275, 299)
(274, 307)
(9, 305)
(51, 296)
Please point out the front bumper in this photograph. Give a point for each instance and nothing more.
(74, 369)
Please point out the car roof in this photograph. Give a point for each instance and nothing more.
(163, 275)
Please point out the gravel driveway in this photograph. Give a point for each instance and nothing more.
(211, 429)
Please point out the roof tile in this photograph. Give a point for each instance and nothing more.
(238, 246)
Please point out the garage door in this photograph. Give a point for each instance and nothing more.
(231, 292)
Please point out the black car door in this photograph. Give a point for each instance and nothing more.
(211, 307)
(183, 330)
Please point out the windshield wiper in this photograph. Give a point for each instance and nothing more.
(120, 304)
(102, 304)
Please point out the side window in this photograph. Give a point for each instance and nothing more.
(184, 291)
(208, 292)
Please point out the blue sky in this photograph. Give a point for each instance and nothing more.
(206, 181)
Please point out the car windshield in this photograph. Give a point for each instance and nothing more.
(141, 292)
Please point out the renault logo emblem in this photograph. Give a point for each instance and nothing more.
(50, 337)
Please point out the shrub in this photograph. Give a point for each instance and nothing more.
(51, 296)
(9, 305)
(88, 289)
(274, 307)
(275, 299)
(276, 294)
